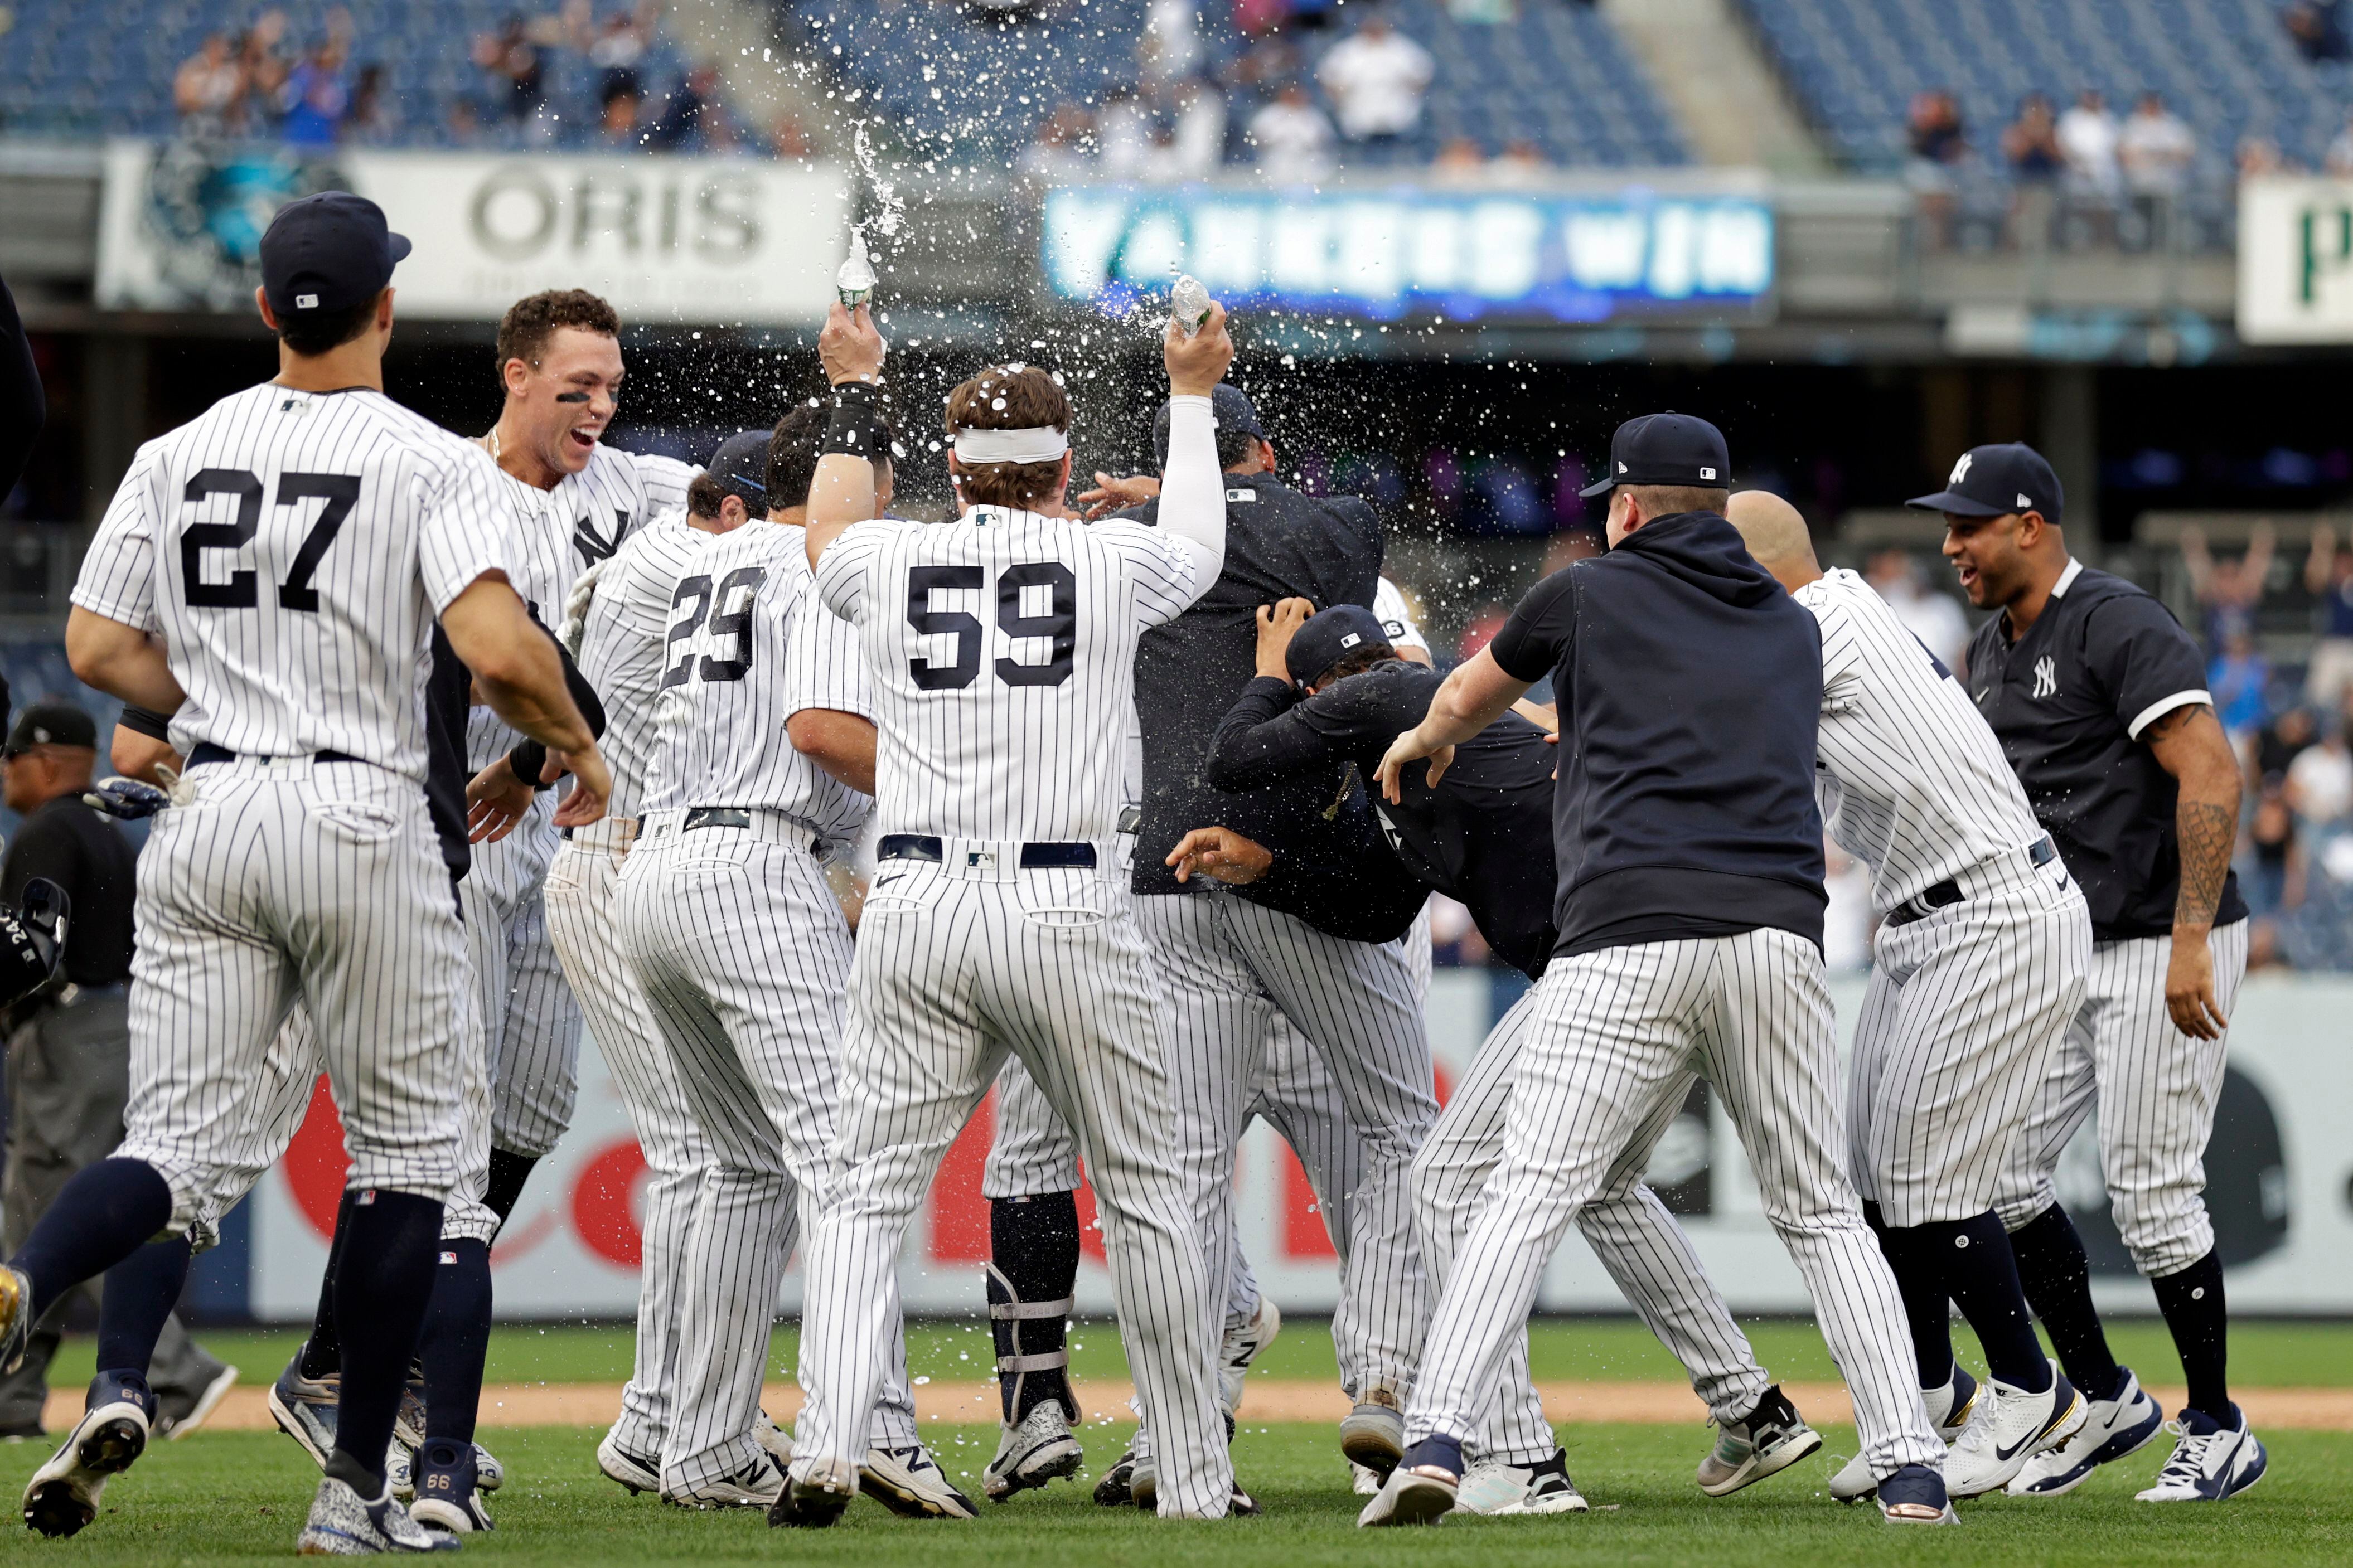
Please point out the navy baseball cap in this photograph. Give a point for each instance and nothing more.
(739, 467)
(1232, 410)
(1331, 636)
(1667, 448)
(51, 724)
(327, 253)
(1993, 482)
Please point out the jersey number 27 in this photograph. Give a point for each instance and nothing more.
(1058, 626)
(241, 590)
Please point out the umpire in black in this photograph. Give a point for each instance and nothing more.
(69, 1071)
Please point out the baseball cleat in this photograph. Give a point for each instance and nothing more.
(1915, 1495)
(1143, 1484)
(445, 1496)
(489, 1474)
(910, 1484)
(15, 1316)
(816, 1498)
(633, 1472)
(408, 1421)
(772, 1439)
(171, 1428)
(2211, 1461)
(344, 1524)
(2112, 1428)
(1243, 1344)
(1362, 1480)
(400, 1469)
(758, 1485)
(304, 1409)
(1421, 1487)
(1502, 1488)
(1949, 1409)
(1769, 1440)
(2011, 1427)
(1114, 1487)
(1037, 1449)
(63, 1494)
(1373, 1435)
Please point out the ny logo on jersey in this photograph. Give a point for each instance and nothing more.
(594, 547)
(2046, 677)
(1960, 469)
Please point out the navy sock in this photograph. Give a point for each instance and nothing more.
(136, 1303)
(1033, 1244)
(1920, 1280)
(2058, 1281)
(455, 1340)
(382, 1285)
(2195, 1311)
(105, 1213)
(1981, 1276)
(323, 1352)
(508, 1171)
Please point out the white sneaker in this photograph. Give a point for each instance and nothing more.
(910, 1484)
(1773, 1438)
(1362, 1480)
(1417, 1494)
(2011, 1427)
(1499, 1488)
(1038, 1450)
(633, 1472)
(2211, 1461)
(63, 1494)
(1242, 1346)
(489, 1474)
(2111, 1429)
(757, 1485)
(1949, 1409)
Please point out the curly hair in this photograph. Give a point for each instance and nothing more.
(529, 322)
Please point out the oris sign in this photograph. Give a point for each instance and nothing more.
(716, 240)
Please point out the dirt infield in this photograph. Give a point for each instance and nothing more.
(1269, 1401)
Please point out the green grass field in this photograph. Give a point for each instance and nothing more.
(230, 1496)
(2263, 1354)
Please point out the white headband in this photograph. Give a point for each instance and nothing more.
(1037, 443)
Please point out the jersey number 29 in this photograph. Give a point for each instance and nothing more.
(738, 588)
(1058, 625)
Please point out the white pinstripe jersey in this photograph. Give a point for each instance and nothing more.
(622, 648)
(561, 532)
(742, 655)
(1910, 777)
(1389, 606)
(1001, 651)
(293, 549)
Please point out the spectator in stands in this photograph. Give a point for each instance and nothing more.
(262, 62)
(208, 89)
(2278, 744)
(2319, 783)
(516, 70)
(789, 138)
(2088, 137)
(2339, 159)
(371, 120)
(2228, 591)
(1378, 79)
(2030, 144)
(1293, 139)
(2272, 862)
(1122, 134)
(1939, 143)
(620, 117)
(693, 117)
(2319, 28)
(317, 97)
(2157, 149)
(2239, 677)
(1197, 115)
(1521, 162)
(1256, 18)
(618, 50)
(1170, 48)
(1935, 618)
(2329, 577)
(1060, 150)
(2259, 156)
(1461, 161)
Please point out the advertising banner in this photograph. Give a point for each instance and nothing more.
(724, 240)
(2277, 1175)
(2295, 260)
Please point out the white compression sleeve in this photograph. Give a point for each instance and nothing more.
(1193, 491)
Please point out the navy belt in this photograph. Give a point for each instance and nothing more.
(1943, 895)
(206, 751)
(1034, 856)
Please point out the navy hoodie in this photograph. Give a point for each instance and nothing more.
(1689, 686)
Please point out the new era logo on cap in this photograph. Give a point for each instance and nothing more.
(2025, 501)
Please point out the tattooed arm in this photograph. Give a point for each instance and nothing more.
(2190, 744)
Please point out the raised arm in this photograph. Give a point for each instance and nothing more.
(2322, 560)
(2188, 744)
(1475, 696)
(842, 490)
(1192, 487)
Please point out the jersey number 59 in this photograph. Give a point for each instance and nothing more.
(1058, 625)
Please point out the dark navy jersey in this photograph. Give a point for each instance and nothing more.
(2070, 702)
(1690, 686)
(1484, 836)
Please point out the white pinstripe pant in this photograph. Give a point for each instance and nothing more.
(2156, 1089)
(279, 881)
(1957, 1029)
(1614, 1039)
(1228, 967)
(583, 920)
(741, 953)
(530, 1021)
(953, 972)
(1639, 1243)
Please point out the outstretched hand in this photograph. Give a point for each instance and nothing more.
(1405, 749)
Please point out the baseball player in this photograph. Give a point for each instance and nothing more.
(1978, 964)
(299, 860)
(2100, 701)
(993, 925)
(1688, 851)
(1330, 686)
(621, 631)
